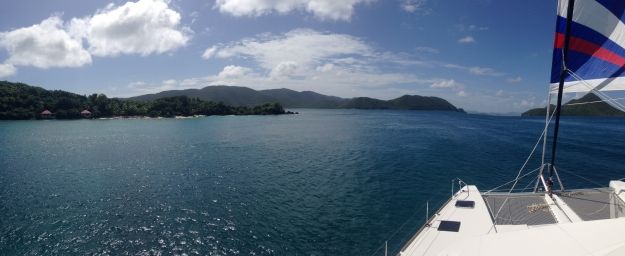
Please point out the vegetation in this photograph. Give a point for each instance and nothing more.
(242, 96)
(21, 101)
(595, 107)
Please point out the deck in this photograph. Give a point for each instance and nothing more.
(583, 222)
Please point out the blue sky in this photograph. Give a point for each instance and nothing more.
(481, 55)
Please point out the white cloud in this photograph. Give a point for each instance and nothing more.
(445, 84)
(514, 79)
(480, 71)
(412, 6)
(7, 70)
(322, 9)
(284, 69)
(475, 70)
(144, 27)
(44, 45)
(209, 52)
(305, 59)
(306, 48)
(466, 40)
(499, 93)
(326, 67)
(462, 93)
(232, 71)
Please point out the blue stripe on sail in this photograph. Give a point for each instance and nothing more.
(590, 35)
(555, 65)
(585, 66)
(616, 7)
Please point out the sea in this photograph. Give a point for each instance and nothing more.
(322, 182)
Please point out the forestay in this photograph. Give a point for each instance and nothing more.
(596, 55)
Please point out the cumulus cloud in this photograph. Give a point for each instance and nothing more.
(232, 71)
(284, 69)
(303, 47)
(44, 45)
(7, 70)
(144, 27)
(322, 9)
(305, 59)
(466, 40)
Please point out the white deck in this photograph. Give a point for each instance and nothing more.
(478, 236)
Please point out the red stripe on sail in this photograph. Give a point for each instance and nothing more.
(583, 46)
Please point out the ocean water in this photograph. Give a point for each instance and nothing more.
(324, 182)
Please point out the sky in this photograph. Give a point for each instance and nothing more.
(491, 56)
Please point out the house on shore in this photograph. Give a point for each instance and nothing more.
(85, 113)
(46, 114)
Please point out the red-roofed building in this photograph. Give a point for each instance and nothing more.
(46, 114)
(85, 113)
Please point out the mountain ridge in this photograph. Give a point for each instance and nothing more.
(244, 96)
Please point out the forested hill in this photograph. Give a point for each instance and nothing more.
(243, 96)
(594, 107)
(22, 101)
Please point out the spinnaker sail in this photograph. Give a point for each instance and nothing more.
(596, 55)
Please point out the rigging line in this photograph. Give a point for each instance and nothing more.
(411, 218)
(418, 210)
(586, 179)
(591, 102)
(512, 181)
(528, 184)
(531, 153)
(516, 180)
(600, 93)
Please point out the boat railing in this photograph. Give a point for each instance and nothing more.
(389, 247)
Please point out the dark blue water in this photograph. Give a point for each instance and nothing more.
(325, 182)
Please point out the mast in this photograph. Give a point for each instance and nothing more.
(563, 71)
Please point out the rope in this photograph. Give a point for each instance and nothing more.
(516, 180)
(417, 210)
(591, 102)
(586, 179)
(489, 191)
(580, 79)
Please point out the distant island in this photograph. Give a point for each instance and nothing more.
(20, 101)
(594, 107)
(243, 96)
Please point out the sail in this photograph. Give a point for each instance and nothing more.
(596, 49)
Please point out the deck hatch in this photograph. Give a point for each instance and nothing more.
(465, 204)
(451, 226)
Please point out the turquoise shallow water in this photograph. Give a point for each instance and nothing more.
(324, 182)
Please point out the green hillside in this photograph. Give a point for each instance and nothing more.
(243, 96)
(20, 101)
(595, 107)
